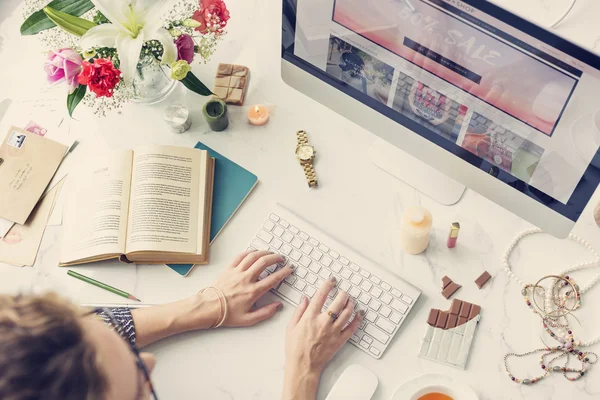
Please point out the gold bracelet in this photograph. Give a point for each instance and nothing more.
(223, 309)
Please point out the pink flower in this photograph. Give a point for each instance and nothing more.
(64, 65)
(185, 48)
(212, 15)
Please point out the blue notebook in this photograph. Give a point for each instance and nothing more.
(232, 186)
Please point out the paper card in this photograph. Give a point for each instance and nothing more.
(30, 162)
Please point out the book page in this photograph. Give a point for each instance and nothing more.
(163, 213)
(95, 219)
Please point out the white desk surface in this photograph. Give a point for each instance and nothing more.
(356, 203)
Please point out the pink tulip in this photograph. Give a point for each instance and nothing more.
(64, 65)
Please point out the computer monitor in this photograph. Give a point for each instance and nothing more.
(487, 98)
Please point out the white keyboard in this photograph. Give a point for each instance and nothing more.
(386, 298)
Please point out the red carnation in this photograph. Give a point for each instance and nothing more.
(101, 77)
(212, 16)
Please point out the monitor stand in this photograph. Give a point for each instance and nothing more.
(428, 181)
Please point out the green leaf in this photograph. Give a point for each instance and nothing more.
(75, 98)
(194, 84)
(38, 21)
(74, 25)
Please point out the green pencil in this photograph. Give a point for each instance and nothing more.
(102, 285)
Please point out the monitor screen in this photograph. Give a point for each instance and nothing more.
(498, 92)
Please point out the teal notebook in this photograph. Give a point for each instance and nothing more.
(232, 186)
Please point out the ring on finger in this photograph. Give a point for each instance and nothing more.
(333, 315)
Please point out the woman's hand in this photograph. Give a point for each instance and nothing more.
(314, 337)
(240, 285)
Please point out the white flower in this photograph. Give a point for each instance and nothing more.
(132, 23)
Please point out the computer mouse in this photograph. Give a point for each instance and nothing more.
(355, 383)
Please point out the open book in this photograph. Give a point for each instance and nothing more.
(151, 205)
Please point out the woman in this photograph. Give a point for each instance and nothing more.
(51, 349)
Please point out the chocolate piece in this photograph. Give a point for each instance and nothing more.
(441, 322)
(455, 306)
(433, 316)
(483, 279)
(475, 310)
(450, 290)
(445, 282)
(231, 83)
(461, 321)
(452, 321)
(464, 310)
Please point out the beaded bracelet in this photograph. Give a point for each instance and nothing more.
(222, 305)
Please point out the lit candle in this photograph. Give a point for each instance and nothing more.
(258, 115)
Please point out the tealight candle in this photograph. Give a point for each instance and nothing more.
(258, 115)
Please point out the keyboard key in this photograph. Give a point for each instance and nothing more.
(371, 316)
(294, 230)
(263, 275)
(375, 279)
(301, 272)
(396, 293)
(285, 249)
(290, 279)
(326, 261)
(407, 299)
(287, 237)
(354, 339)
(385, 286)
(303, 236)
(354, 267)
(259, 245)
(325, 274)
(344, 285)
(396, 318)
(377, 333)
(284, 223)
(386, 298)
(305, 261)
(356, 279)
(323, 248)
(268, 225)
(316, 255)
(306, 249)
(271, 268)
(314, 267)
(364, 344)
(297, 243)
(313, 241)
(376, 292)
(354, 292)
(368, 339)
(336, 267)
(276, 243)
(385, 311)
(278, 231)
(274, 217)
(344, 260)
(310, 291)
(375, 350)
(334, 254)
(289, 292)
(346, 273)
(311, 279)
(375, 305)
(300, 285)
(385, 325)
(365, 273)
(364, 298)
(296, 255)
(399, 306)
(366, 286)
(332, 293)
(363, 324)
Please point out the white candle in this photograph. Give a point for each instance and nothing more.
(415, 228)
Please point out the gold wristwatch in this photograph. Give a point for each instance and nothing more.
(305, 153)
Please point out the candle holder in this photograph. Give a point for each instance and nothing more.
(215, 113)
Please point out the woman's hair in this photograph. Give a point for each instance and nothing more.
(44, 353)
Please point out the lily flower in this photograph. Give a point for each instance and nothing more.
(132, 23)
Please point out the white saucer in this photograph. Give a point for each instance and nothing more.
(459, 391)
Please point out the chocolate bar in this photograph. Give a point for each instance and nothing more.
(231, 83)
(483, 279)
(449, 287)
(449, 334)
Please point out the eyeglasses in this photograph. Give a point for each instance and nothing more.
(118, 328)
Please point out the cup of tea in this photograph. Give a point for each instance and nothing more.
(434, 392)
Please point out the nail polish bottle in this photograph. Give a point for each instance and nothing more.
(453, 236)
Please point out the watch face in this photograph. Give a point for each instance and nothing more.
(305, 153)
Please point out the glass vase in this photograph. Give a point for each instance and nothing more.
(151, 83)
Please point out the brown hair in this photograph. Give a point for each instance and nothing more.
(44, 353)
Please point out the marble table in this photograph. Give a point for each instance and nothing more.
(356, 203)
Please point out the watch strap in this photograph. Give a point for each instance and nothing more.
(302, 138)
(311, 175)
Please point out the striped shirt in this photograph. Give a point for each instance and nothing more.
(123, 316)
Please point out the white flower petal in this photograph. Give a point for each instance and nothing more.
(115, 10)
(104, 35)
(170, 49)
(151, 11)
(129, 54)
